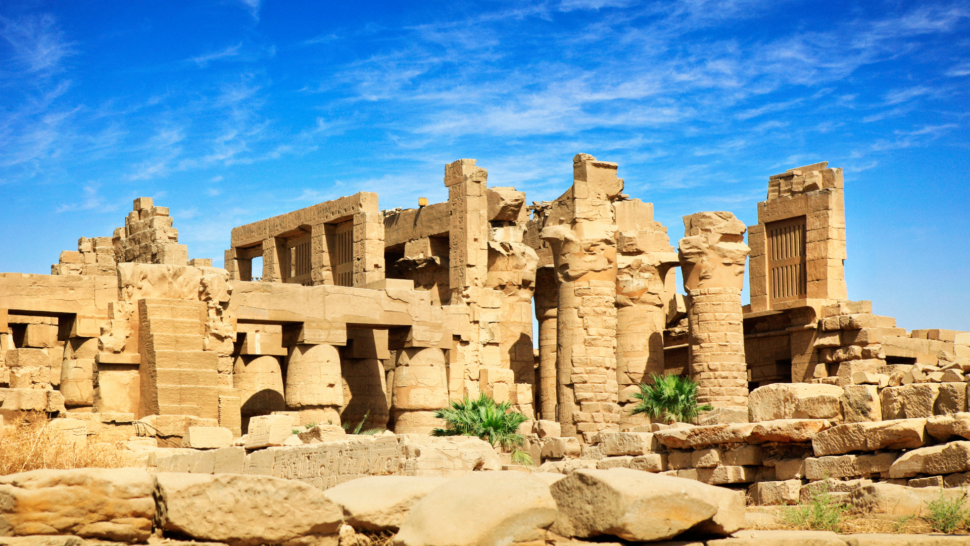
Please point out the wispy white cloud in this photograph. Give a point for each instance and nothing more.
(90, 199)
(897, 96)
(38, 45)
(958, 70)
(251, 6)
(204, 59)
(570, 5)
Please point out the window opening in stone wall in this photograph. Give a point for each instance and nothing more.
(297, 264)
(340, 246)
(787, 278)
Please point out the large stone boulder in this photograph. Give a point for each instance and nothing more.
(639, 506)
(481, 509)
(380, 503)
(899, 500)
(787, 430)
(943, 427)
(110, 504)
(913, 401)
(243, 510)
(942, 459)
(896, 434)
(448, 456)
(795, 401)
(706, 436)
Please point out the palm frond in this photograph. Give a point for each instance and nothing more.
(494, 422)
(669, 397)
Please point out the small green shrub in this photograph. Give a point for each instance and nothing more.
(670, 397)
(495, 423)
(821, 513)
(902, 522)
(946, 514)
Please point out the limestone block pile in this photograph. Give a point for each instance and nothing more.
(148, 237)
(94, 256)
(490, 508)
(857, 347)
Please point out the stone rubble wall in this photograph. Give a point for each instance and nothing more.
(94, 256)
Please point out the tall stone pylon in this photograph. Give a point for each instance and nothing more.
(712, 255)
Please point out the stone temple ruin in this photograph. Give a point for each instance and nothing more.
(361, 314)
(390, 314)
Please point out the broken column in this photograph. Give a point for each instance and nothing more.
(582, 233)
(712, 255)
(420, 388)
(644, 256)
(512, 272)
(468, 262)
(546, 302)
(77, 372)
(313, 383)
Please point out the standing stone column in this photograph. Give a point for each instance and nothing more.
(644, 256)
(547, 301)
(313, 383)
(712, 255)
(420, 388)
(584, 251)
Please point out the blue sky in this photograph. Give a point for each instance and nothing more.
(232, 111)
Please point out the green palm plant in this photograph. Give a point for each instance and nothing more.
(670, 397)
(496, 423)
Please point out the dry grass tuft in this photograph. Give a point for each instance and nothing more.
(30, 444)
(770, 518)
(379, 538)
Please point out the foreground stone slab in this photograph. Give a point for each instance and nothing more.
(942, 459)
(780, 538)
(887, 498)
(243, 510)
(110, 504)
(896, 434)
(904, 540)
(42, 540)
(481, 509)
(380, 503)
(639, 506)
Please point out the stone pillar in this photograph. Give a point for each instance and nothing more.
(420, 388)
(271, 263)
(259, 383)
(313, 382)
(644, 256)
(546, 301)
(584, 251)
(712, 255)
(364, 393)
(77, 372)
(468, 263)
(368, 247)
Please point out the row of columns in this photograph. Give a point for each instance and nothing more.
(314, 386)
(600, 308)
